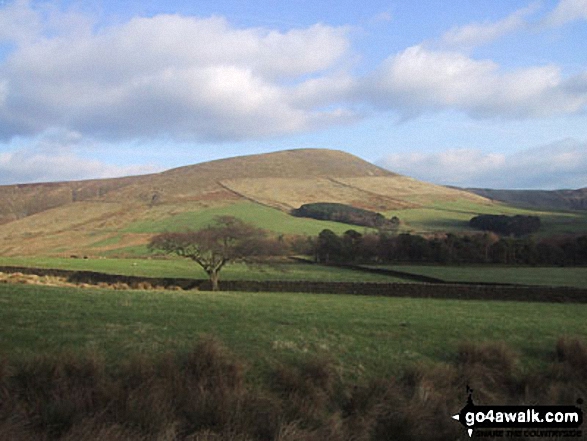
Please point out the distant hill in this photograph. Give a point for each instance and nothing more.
(284, 179)
(208, 180)
(543, 199)
(105, 215)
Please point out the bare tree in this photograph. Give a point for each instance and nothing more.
(226, 241)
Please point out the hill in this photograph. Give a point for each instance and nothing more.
(543, 199)
(207, 181)
(101, 217)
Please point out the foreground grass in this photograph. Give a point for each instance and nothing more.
(204, 395)
(547, 276)
(365, 336)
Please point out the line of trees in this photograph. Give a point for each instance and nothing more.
(230, 240)
(346, 214)
(354, 247)
(518, 225)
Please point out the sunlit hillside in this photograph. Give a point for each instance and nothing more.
(98, 217)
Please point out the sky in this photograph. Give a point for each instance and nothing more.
(472, 93)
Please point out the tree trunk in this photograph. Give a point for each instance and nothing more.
(214, 277)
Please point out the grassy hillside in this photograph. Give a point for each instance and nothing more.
(109, 228)
(103, 217)
(454, 216)
(264, 217)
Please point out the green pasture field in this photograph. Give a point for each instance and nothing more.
(363, 336)
(185, 268)
(451, 216)
(454, 216)
(262, 216)
(443, 216)
(548, 276)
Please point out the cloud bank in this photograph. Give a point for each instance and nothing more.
(202, 79)
(478, 34)
(567, 11)
(195, 79)
(53, 157)
(421, 80)
(169, 75)
(559, 165)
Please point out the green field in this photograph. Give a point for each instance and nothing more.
(450, 216)
(363, 335)
(454, 216)
(184, 268)
(547, 276)
(129, 237)
(262, 216)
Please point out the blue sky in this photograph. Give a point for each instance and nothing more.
(480, 93)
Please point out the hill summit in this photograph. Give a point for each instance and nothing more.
(301, 163)
(193, 181)
(35, 218)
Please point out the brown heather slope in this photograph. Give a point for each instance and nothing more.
(22, 200)
(190, 183)
(69, 216)
(541, 199)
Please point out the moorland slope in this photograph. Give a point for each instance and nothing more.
(101, 215)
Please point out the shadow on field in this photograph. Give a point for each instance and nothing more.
(204, 395)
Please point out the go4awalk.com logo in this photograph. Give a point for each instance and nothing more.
(520, 421)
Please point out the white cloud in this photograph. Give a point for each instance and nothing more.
(18, 22)
(169, 75)
(558, 165)
(476, 34)
(52, 157)
(382, 17)
(439, 75)
(454, 166)
(192, 79)
(318, 92)
(419, 80)
(567, 11)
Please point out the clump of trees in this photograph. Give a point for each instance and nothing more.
(517, 225)
(346, 214)
(227, 240)
(354, 247)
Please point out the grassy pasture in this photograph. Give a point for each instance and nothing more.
(548, 276)
(107, 230)
(454, 216)
(364, 336)
(184, 268)
(262, 216)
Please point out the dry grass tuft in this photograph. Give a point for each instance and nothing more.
(573, 353)
(204, 395)
(490, 370)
